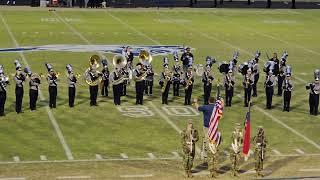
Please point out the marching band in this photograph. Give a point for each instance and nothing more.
(278, 73)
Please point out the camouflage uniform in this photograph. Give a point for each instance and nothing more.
(235, 153)
(260, 142)
(188, 146)
(213, 159)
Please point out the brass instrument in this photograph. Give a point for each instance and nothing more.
(145, 58)
(92, 75)
(119, 62)
(229, 82)
(189, 81)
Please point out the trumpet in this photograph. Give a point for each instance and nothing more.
(92, 75)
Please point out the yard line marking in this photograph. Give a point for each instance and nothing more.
(176, 155)
(151, 156)
(43, 158)
(13, 178)
(99, 157)
(124, 156)
(299, 151)
(276, 152)
(49, 112)
(253, 171)
(309, 170)
(136, 176)
(286, 126)
(16, 159)
(73, 177)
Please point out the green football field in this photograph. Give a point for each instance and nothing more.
(129, 141)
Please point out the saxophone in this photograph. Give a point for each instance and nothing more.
(189, 81)
(167, 77)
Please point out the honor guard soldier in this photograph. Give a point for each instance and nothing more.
(188, 82)
(139, 75)
(229, 82)
(287, 88)
(186, 58)
(281, 74)
(72, 80)
(52, 80)
(105, 78)
(314, 93)
(207, 79)
(255, 71)
(19, 78)
(260, 143)
(34, 82)
(165, 81)
(269, 84)
(189, 137)
(149, 80)
(248, 81)
(4, 81)
(213, 157)
(235, 150)
(177, 76)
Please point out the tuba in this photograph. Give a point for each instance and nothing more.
(145, 57)
(119, 62)
(92, 75)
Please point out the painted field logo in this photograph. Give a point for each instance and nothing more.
(113, 49)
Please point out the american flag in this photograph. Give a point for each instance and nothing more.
(213, 133)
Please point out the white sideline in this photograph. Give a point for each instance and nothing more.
(50, 115)
(13, 178)
(309, 170)
(73, 177)
(136, 176)
(285, 125)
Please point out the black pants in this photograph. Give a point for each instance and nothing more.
(81, 3)
(165, 94)
(206, 93)
(188, 93)
(33, 95)
(280, 82)
(124, 88)
(19, 97)
(247, 96)
(176, 85)
(117, 93)
(286, 100)
(314, 104)
(139, 92)
(229, 95)
(53, 96)
(72, 94)
(148, 87)
(254, 86)
(3, 97)
(269, 94)
(268, 3)
(93, 95)
(104, 89)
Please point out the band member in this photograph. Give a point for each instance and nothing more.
(125, 82)
(139, 75)
(34, 82)
(247, 84)
(4, 81)
(229, 82)
(189, 137)
(19, 78)
(235, 150)
(287, 88)
(93, 78)
(72, 80)
(52, 80)
(281, 73)
(255, 70)
(126, 52)
(188, 82)
(105, 78)
(149, 80)
(165, 81)
(176, 78)
(269, 84)
(207, 79)
(260, 142)
(314, 94)
(187, 59)
(117, 79)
